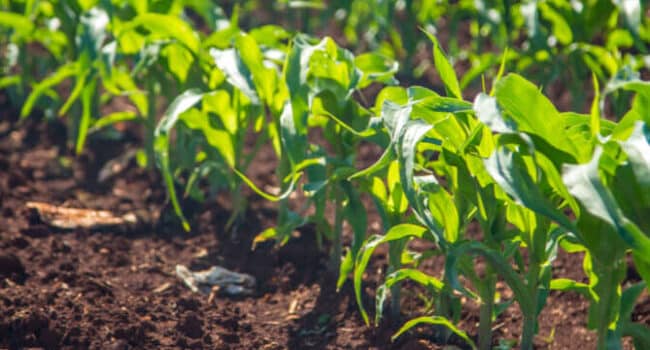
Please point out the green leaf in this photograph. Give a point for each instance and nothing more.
(355, 214)
(627, 79)
(417, 276)
(368, 247)
(502, 68)
(594, 119)
(61, 74)
(281, 233)
(489, 113)
(332, 69)
(79, 85)
(509, 171)
(596, 57)
(268, 196)
(375, 68)
(409, 136)
(394, 117)
(637, 148)
(532, 112)
(237, 73)
(10, 80)
(498, 263)
(444, 104)
(137, 97)
(266, 79)
(568, 285)
(293, 119)
(219, 139)
(112, 118)
(164, 26)
(182, 103)
(19, 23)
(561, 29)
(381, 163)
(434, 320)
(87, 105)
(445, 69)
(347, 266)
(179, 61)
(443, 209)
(318, 109)
(396, 202)
(583, 182)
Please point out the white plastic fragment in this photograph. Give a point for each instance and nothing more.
(227, 282)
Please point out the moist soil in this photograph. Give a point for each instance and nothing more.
(117, 289)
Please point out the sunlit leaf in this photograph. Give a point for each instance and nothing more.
(445, 69)
(584, 182)
(165, 26)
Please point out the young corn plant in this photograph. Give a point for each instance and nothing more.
(392, 206)
(168, 55)
(603, 186)
(24, 26)
(432, 205)
(107, 48)
(92, 61)
(248, 96)
(95, 51)
(479, 169)
(321, 79)
(334, 76)
(591, 167)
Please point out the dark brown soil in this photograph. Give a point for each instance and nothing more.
(118, 290)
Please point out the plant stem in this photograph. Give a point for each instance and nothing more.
(606, 279)
(529, 332)
(337, 248)
(485, 312)
(445, 307)
(282, 171)
(238, 209)
(530, 321)
(394, 264)
(335, 262)
(150, 123)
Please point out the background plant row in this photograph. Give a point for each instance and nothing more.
(533, 178)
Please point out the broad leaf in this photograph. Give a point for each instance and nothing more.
(584, 182)
(532, 112)
(509, 171)
(164, 26)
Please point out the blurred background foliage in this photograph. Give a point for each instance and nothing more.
(556, 43)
